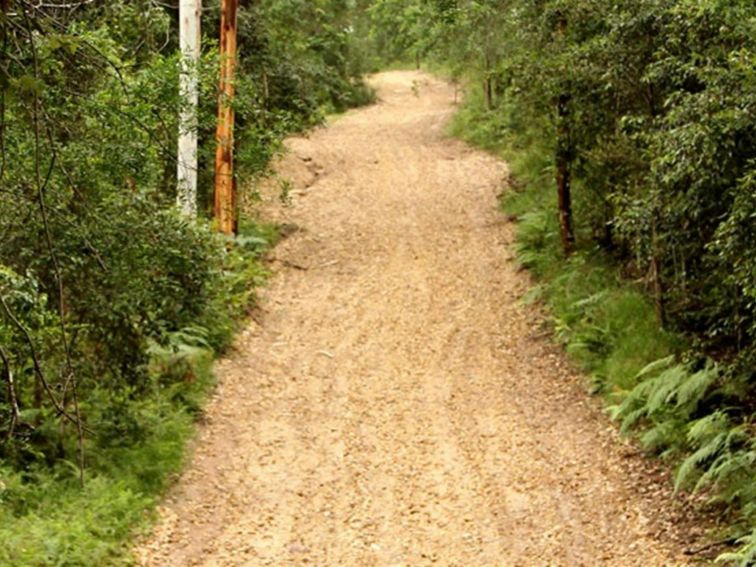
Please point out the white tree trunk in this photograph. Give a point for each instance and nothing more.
(189, 41)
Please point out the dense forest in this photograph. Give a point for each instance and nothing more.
(113, 302)
(630, 127)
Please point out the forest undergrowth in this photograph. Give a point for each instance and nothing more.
(137, 444)
(113, 305)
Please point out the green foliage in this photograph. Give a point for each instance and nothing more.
(745, 556)
(397, 29)
(682, 413)
(83, 527)
(113, 305)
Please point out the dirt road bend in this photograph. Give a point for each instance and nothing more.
(396, 404)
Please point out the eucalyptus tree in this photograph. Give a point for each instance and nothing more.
(190, 15)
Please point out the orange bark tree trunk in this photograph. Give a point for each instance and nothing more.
(225, 188)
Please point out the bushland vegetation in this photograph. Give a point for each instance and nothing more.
(112, 304)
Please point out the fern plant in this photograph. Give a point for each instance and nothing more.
(669, 403)
(665, 392)
(745, 556)
(533, 234)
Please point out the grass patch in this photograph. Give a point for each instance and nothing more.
(606, 324)
(138, 447)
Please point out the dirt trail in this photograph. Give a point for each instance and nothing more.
(397, 405)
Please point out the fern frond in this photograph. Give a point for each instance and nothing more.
(631, 419)
(661, 435)
(693, 389)
(666, 387)
(592, 299)
(655, 366)
(693, 462)
(745, 556)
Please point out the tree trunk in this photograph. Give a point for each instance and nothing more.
(564, 162)
(563, 177)
(487, 83)
(225, 198)
(189, 39)
(656, 269)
